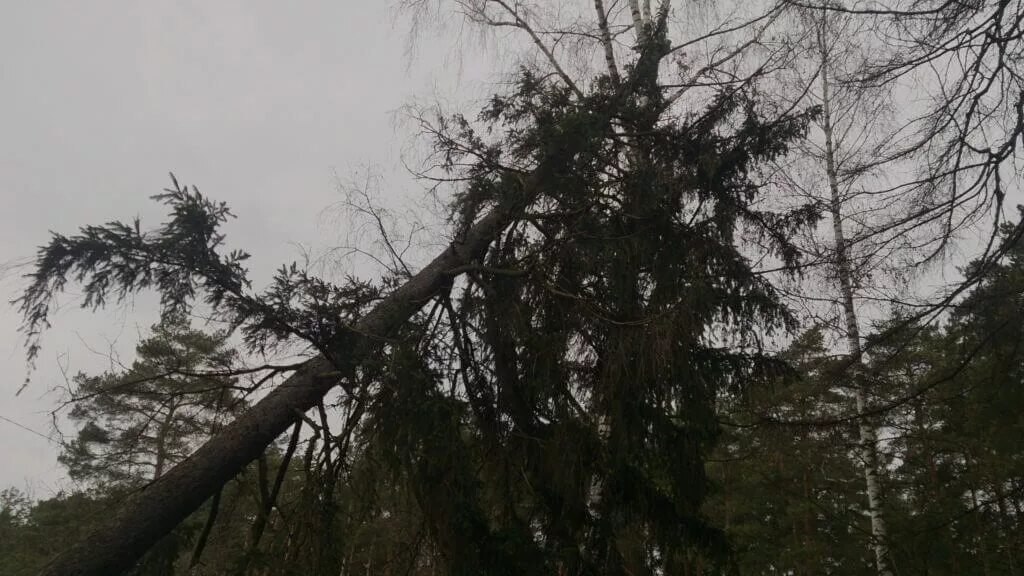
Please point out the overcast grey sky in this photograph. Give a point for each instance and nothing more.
(256, 102)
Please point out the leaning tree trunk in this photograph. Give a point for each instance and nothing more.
(868, 439)
(118, 542)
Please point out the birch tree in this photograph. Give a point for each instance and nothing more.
(866, 248)
(844, 271)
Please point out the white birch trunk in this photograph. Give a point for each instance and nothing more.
(868, 439)
(606, 42)
(638, 21)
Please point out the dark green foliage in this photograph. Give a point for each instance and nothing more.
(119, 259)
(790, 497)
(962, 432)
(33, 532)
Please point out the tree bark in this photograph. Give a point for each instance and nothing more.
(868, 440)
(638, 22)
(606, 42)
(117, 543)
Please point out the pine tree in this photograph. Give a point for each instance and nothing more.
(136, 423)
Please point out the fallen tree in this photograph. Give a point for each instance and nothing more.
(152, 512)
(182, 259)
